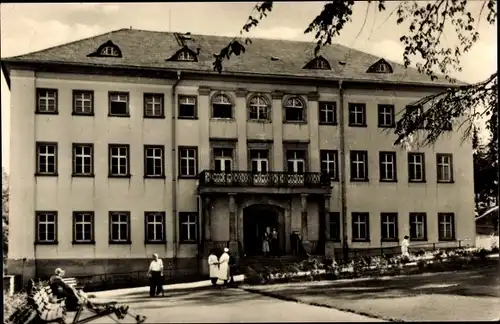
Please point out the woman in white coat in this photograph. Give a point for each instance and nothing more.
(213, 266)
(224, 266)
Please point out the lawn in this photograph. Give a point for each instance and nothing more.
(471, 295)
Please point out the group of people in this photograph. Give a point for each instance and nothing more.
(221, 268)
(270, 242)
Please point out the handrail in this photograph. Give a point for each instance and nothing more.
(265, 179)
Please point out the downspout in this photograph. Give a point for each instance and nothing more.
(345, 246)
(175, 183)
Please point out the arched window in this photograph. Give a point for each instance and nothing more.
(108, 49)
(318, 63)
(294, 110)
(222, 106)
(381, 66)
(258, 108)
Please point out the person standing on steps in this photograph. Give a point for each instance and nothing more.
(224, 267)
(274, 243)
(213, 265)
(405, 244)
(265, 244)
(155, 275)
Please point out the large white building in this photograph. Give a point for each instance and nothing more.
(128, 143)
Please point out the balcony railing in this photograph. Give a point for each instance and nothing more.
(268, 179)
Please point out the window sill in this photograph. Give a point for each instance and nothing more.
(188, 242)
(188, 117)
(447, 239)
(389, 181)
(188, 177)
(357, 125)
(46, 243)
(222, 119)
(46, 174)
(155, 242)
(361, 240)
(119, 116)
(83, 243)
(416, 181)
(446, 182)
(360, 180)
(161, 177)
(82, 114)
(386, 126)
(299, 122)
(389, 240)
(127, 176)
(78, 175)
(260, 121)
(119, 242)
(152, 117)
(46, 112)
(417, 240)
(327, 124)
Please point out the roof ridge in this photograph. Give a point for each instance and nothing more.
(65, 44)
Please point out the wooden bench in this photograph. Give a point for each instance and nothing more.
(49, 308)
(70, 282)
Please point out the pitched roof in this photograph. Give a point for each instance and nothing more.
(151, 49)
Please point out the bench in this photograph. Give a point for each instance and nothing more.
(70, 282)
(49, 308)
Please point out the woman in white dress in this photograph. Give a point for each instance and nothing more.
(224, 266)
(213, 266)
(405, 244)
(265, 244)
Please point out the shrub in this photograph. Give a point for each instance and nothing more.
(12, 303)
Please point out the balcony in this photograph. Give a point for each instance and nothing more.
(211, 181)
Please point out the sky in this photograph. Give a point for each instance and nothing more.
(30, 27)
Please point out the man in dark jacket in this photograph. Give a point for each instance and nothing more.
(60, 289)
(232, 268)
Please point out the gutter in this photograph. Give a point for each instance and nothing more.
(343, 171)
(175, 183)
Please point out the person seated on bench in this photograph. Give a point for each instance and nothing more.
(60, 289)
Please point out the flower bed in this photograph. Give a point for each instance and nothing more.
(422, 261)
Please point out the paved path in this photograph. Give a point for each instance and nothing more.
(208, 305)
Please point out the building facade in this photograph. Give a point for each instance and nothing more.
(116, 154)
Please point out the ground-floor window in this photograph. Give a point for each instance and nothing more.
(119, 227)
(334, 226)
(83, 227)
(360, 227)
(46, 227)
(446, 223)
(389, 226)
(154, 227)
(188, 227)
(418, 226)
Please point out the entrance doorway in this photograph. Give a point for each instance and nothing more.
(256, 220)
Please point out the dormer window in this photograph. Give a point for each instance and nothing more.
(318, 63)
(185, 56)
(381, 66)
(107, 49)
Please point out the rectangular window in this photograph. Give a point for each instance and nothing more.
(389, 226)
(83, 228)
(418, 226)
(46, 158)
(444, 165)
(296, 161)
(223, 159)
(83, 102)
(386, 116)
(153, 105)
(446, 225)
(154, 227)
(46, 101)
(415, 114)
(359, 165)
(188, 162)
(416, 167)
(329, 163)
(334, 226)
(119, 160)
(188, 231)
(83, 160)
(187, 107)
(327, 113)
(259, 160)
(119, 227)
(258, 109)
(46, 227)
(118, 104)
(360, 227)
(387, 166)
(357, 114)
(154, 156)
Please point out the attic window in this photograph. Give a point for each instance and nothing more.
(381, 66)
(107, 49)
(185, 56)
(318, 63)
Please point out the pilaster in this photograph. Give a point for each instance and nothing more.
(241, 120)
(303, 209)
(204, 114)
(312, 121)
(277, 116)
